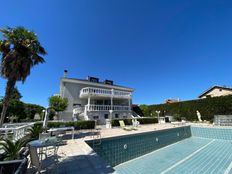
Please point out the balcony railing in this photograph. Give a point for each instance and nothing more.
(89, 91)
(106, 108)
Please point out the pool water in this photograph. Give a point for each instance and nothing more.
(171, 151)
(193, 155)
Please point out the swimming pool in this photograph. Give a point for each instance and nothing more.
(177, 150)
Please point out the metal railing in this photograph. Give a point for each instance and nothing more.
(104, 92)
(106, 108)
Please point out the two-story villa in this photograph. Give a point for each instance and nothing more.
(91, 99)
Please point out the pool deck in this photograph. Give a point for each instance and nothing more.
(76, 155)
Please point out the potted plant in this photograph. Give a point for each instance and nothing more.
(11, 157)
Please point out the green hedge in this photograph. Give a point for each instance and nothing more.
(77, 124)
(115, 122)
(207, 107)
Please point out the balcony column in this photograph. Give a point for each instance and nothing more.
(88, 103)
(111, 99)
(129, 104)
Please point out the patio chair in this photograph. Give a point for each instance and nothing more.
(37, 164)
(127, 128)
(47, 150)
(44, 136)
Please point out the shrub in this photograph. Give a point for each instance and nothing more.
(88, 124)
(207, 107)
(147, 120)
(84, 124)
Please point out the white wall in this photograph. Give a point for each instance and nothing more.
(217, 92)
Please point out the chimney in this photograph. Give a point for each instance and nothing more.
(65, 73)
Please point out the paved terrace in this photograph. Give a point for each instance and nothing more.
(77, 157)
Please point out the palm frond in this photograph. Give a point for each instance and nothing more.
(12, 148)
(21, 50)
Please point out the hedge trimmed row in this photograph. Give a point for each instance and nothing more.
(115, 122)
(207, 107)
(89, 124)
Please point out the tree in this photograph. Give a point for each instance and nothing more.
(20, 51)
(15, 94)
(31, 109)
(58, 103)
(16, 107)
(145, 110)
(35, 131)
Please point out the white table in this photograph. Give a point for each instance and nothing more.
(62, 129)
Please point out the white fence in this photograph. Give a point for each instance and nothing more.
(17, 130)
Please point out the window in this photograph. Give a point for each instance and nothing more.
(95, 117)
(220, 89)
(76, 105)
(106, 116)
(116, 115)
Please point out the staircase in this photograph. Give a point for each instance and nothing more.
(135, 115)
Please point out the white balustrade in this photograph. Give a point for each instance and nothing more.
(106, 108)
(18, 130)
(104, 92)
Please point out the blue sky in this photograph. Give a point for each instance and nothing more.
(161, 48)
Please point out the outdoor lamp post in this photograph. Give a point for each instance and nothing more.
(110, 119)
(158, 112)
(46, 115)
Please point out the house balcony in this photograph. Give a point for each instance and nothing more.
(106, 108)
(100, 92)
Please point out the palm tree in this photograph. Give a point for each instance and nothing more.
(20, 50)
(35, 131)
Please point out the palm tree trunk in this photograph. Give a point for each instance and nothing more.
(9, 87)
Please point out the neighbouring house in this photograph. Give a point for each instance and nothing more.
(172, 100)
(91, 99)
(216, 91)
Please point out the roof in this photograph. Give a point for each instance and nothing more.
(172, 100)
(214, 87)
(102, 84)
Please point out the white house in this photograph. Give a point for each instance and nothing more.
(91, 99)
(216, 91)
